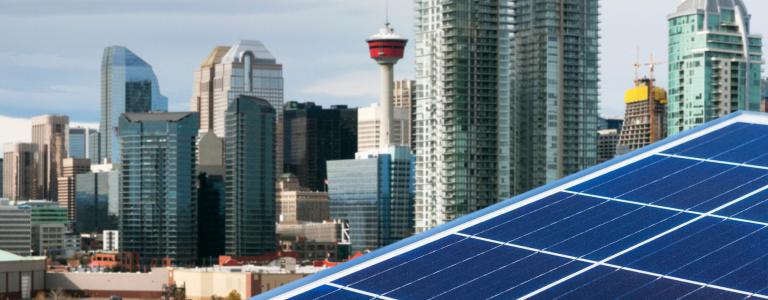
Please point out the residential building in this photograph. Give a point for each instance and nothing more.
(97, 194)
(556, 67)
(19, 162)
(374, 193)
(314, 135)
(15, 229)
(645, 118)
(67, 189)
(296, 203)
(22, 277)
(461, 119)
(49, 226)
(607, 139)
(111, 240)
(250, 178)
(715, 62)
(49, 133)
(158, 175)
(369, 127)
(128, 85)
(210, 198)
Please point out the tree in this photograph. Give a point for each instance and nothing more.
(233, 295)
(58, 294)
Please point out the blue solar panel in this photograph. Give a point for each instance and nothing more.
(685, 218)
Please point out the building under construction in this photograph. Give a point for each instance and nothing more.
(645, 119)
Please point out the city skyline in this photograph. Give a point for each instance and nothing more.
(68, 74)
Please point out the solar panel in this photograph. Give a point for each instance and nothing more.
(684, 218)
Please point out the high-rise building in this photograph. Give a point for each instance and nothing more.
(404, 96)
(645, 118)
(369, 127)
(1, 177)
(15, 229)
(210, 198)
(250, 178)
(67, 182)
(94, 147)
(19, 162)
(313, 135)
(607, 139)
(374, 193)
(461, 121)
(158, 181)
(610, 122)
(97, 205)
(128, 85)
(296, 203)
(246, 68)
(715, 62)
(556, 46)
(49, 133)
(77, 142)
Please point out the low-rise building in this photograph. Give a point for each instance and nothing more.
(298, 204)
(21, 277)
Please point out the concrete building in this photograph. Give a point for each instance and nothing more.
(105, 285)
(1, 178)
(111, 240)
(715, 62)
(298, 204)
(49, 227)
(610, 122)
(369, 127)
(374, 193)
(67, 188)
(211, 198)
(607, 139)
(250, 178)
(158, 175)
(49, 133)
(97, 199)
(313, 135)
(128, 85)
(315, 241)
(21, 277)
(404, 93)
(15, 229)
(20, 161)
(645, 118)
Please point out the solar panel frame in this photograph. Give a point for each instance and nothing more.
(326, 277)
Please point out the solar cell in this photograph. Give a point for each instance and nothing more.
(685, 218)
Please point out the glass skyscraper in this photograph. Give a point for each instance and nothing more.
(714, 62)
(97, 206)
(374, 193)
(78, 142)
(250, 177)
(128, 85)
(555, 102)
(158, 197)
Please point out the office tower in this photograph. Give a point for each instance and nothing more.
(404, 93)
(314, 135)
(645, 118)
(374, 193)
(15, 229)
(461, 122)
(715, 62)
(250, 178)
(49, 226)
(49, 133)
(555, 89)
(607, 139)
(369, 127)
(1, 178)
(67, 182)
(128, 85)
(210, 198)
(610, 122)
(19, 162)
(158, 177)
(94, 147)
(296, 203)
(97, 196)
(76, 142)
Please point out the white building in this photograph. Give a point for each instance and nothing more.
(111, 240)
(368, 127)
(15, 229)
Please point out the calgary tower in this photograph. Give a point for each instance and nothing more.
(386, 48)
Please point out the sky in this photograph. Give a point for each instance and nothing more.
(51, 50)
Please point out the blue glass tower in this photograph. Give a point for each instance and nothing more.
(128, 85)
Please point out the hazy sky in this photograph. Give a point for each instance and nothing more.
(51, 50)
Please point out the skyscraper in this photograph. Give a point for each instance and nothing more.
(77, 142)
(49, 133)
(404, 93)
(314, 135)
(97, 195)
(67, 182)
(555, 88)
(369, 127)
(645, 119)
(715, 62)
(94, 147)
(128, 85)
(211, 197)
(158, 186)
(250, 177)
(19, 162)
(461, 120)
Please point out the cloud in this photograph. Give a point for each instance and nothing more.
(58, 99)
(15, 130)
(354, 84)
(47, 61)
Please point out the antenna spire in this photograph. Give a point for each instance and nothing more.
(386, 10)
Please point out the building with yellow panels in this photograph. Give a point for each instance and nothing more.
(645, 119)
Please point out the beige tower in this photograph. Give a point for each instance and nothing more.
(19, 170)
(49, 134)
(70, 167)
